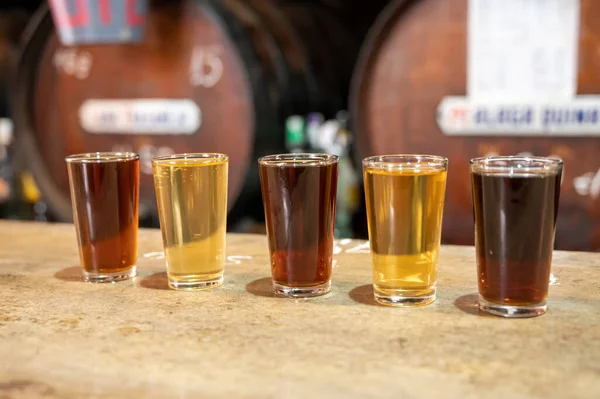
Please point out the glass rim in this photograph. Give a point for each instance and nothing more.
(392, 161)
(217, 156)
(509, 163)
(102, 157)
(319, 159)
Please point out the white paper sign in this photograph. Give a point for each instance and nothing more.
(464, 116)
(140, 116)
(522, 49)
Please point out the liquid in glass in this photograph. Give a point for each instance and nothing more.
(299, 197)
(191, 193)
(105, 194)
(515, 206)
(405, 201)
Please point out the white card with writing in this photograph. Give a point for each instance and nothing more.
(522, 49)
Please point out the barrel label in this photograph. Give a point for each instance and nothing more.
(99, 21)
(73, 62)
(522, 49)
(206, 66)
(464, 116)
(140, 116)
(588, 184)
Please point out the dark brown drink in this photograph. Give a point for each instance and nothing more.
(299, 196)
(105, 194)
(515, 219)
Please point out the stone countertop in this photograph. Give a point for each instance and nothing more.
(63, 338)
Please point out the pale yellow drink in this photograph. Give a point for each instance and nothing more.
(191, 193)
(405, 201)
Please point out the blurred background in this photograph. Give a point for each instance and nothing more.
(457, 78)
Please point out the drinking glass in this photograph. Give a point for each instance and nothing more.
(105, 195)
(191, 193)
(405, 203)
(515, 205)
(299, 197)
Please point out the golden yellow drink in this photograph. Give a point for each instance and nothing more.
(191, 193)
(405, 201)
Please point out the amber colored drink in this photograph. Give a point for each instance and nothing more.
(105, 194)
(191, 193)
(405, 201)
(299, 196)
(515, 217)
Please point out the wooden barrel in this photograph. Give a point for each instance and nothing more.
(13, 19)
(209, 76)
(409, 95)
(358, 16)
(12, 23)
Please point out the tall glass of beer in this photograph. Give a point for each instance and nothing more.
(191, 193)
(299, 196)
(105, 194)
(515, 205)
(405, 202)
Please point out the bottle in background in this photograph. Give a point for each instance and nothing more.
(334, 138)
(295, 137)
(314, 120)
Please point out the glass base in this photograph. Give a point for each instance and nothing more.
(301, 292)
(109, 277)
(510, 311)
(404, 298)
(195, 284)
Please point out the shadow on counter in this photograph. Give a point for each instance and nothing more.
(363, 294)
(156, 281)
(261, 287)
(70, 274)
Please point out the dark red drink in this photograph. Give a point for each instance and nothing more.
(299, 196)
(105, 194)
(515, 204)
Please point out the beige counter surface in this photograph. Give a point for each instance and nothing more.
(61, 337)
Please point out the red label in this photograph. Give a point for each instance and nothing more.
(105, 12)
(62, 18)
(81, 15)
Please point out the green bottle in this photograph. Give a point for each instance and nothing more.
(295, 137)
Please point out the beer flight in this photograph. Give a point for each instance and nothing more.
(515, 204)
